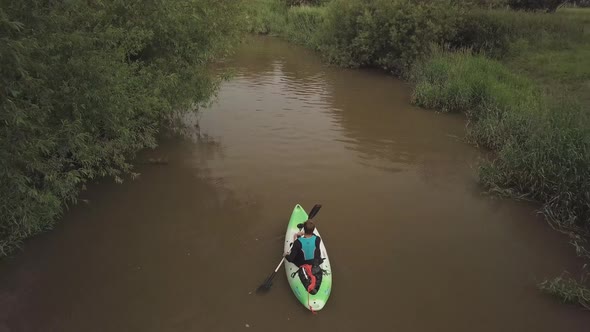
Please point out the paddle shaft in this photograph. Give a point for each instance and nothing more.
(279, 266)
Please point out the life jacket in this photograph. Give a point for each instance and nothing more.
(308, 246)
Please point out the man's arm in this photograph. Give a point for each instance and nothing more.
(318, 252)
(295, 249)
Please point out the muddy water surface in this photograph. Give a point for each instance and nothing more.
(414, 244)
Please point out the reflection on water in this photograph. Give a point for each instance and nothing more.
(413, 243)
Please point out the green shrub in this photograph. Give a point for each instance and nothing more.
(482, 33)
(388, 34)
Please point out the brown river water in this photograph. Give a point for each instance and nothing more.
(415, 244)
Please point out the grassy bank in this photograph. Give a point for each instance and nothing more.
(528, 101)
(543, 147)
(523, 79)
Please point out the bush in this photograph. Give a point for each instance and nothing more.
(388, 34)
(482, 33)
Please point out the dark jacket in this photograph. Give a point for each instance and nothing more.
(298, 258)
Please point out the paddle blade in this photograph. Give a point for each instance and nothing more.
(267, 284)
(316, 208)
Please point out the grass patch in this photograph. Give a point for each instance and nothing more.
(569, 289)
(299, 24)
(303, 23)
(551, 49)
(266, 16)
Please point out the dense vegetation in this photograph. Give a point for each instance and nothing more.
(521, 77)
(86, 84)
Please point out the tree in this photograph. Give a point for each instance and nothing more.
(86, 84)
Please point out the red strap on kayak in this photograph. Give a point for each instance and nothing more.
(307, 269)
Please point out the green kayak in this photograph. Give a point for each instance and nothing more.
(317, 301)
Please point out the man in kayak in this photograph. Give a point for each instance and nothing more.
(306, 247)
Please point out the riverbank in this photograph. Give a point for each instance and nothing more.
(521, 78)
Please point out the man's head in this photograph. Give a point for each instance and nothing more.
(308, 227)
